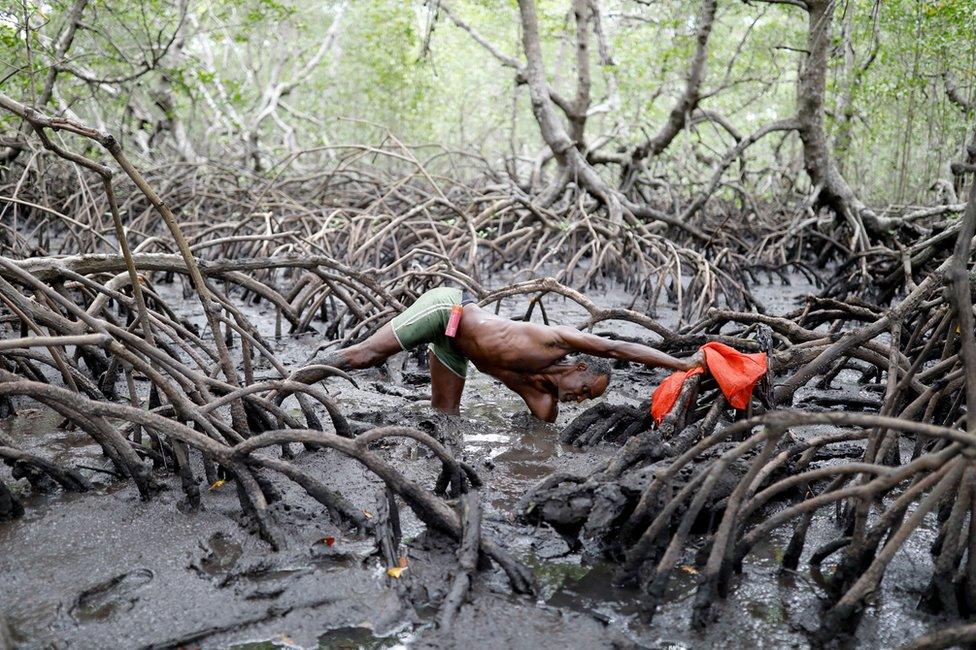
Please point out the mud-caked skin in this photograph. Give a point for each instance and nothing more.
(530, 359)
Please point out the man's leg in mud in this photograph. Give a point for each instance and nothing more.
(373, 351)
(445, 387)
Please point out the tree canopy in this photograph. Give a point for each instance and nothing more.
(263, 78)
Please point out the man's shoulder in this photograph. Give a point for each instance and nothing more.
(559, 335)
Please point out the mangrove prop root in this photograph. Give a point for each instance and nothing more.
(467, 559)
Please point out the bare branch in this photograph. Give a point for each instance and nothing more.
(955, 95)
(794, 3)
(689, 98)
(502, 58)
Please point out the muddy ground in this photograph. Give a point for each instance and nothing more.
(106, 569)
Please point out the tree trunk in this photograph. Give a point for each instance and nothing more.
(835, 193)
(553, 132)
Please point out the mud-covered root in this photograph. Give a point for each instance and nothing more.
(698, 492)
(386, 528)
(467, 555)
(451, 484)
(28, 465)
(958, 636)
(606, 422)
(561, 500)
(430, 509)
(10, 506)
(255, 505)
(596, 508)
(947, 589)
(337, 505)
(723, 481)
(683, 405)
(455, 477)
(244, 465)
(714, 580)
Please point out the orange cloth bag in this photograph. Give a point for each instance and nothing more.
(735, 372)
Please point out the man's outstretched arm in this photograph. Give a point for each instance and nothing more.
(598, 346)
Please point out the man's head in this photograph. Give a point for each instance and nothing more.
(581, 377)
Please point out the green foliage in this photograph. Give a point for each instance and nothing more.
(393, 81)
(892, 119)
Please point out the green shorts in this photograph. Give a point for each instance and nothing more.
(425, 321)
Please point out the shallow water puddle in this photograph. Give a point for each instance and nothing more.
(340, 638)
(223, 555)
(351, 638)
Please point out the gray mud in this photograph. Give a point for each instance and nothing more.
(105, 569)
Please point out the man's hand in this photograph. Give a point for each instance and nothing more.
(697, 360)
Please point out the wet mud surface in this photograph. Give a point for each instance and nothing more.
(106, 569)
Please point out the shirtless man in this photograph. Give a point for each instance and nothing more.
(532, 360)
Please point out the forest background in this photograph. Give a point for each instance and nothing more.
(255, 80)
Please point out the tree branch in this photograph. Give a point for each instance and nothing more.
(689, 98)
(955, 95)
